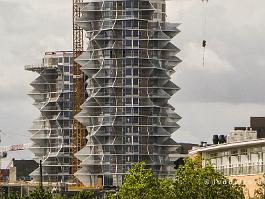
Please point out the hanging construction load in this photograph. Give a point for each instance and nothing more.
(204, 30)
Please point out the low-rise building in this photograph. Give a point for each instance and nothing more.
(241, 156)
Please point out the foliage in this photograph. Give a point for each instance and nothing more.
(260, 192)
(191, 182)
(85, 195)
(140, 183)
(40, 194)
(59, 196)
(195, 182)
(15, 195)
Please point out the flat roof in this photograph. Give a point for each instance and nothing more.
(227, 145)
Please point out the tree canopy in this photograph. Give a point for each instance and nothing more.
(190, 182)
(194, 181)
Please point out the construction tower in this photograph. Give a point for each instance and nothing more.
(128, 62)
(78, 130)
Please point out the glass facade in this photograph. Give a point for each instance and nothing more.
(128, 62)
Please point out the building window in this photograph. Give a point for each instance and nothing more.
(66, 87)
(128, 101)
(66, 69)
(136, 110)
(135, 101)
(128, 72)
(128, 110)
(66, 60)
(135, 72)
(60, 60)
(128, 33)
(66, 78)
(135, 43)
(128, 43)
(135, 82)
(128, 82)
(135, 91)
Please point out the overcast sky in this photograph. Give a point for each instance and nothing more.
(213, 99)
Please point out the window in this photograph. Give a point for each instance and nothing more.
(128, 82)
(128, 43)
(135, 130)
(127, 4)
(136, 149)
(135, 13)
(128, 101)
(135, 4)
(128, 23)
(128, 13)
(135, 139)
(135, 82)
(128, 33)
(128, 130)
(135, 62)
(135, 158)
(67, 96)
(128, 110)
(135, 53)
(66, 114)
(128, 120)
(107, 158)
(135, 33)
(128, 91)
(66, 141)
(66, 69)
(128, 53)
(128, 72)
(128, 62)
(66, 78)
(66, 132)
(66, 60)
(135, 91)
(135, 72)
(108, 5)
(135, 120)
(135, 24)
(66, 87)
(135, 42)
(60, 60)
(135, 101)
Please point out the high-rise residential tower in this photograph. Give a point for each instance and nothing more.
(128, 62)
(52, 130)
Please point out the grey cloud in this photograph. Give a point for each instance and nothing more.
(235, 38)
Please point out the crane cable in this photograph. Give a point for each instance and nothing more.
(204, 23)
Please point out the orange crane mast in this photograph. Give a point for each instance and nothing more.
(78, 130)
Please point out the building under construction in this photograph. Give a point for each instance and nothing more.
(126, 68)
(52, 94)
(128, 62)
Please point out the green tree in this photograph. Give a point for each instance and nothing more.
(193, 181)
(15, 195)
(86, 194)
(140, 183)
(260, 191)
(40, 194)
(59, 196)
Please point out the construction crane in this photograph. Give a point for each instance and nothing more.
(78, 130)
(13, 147)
